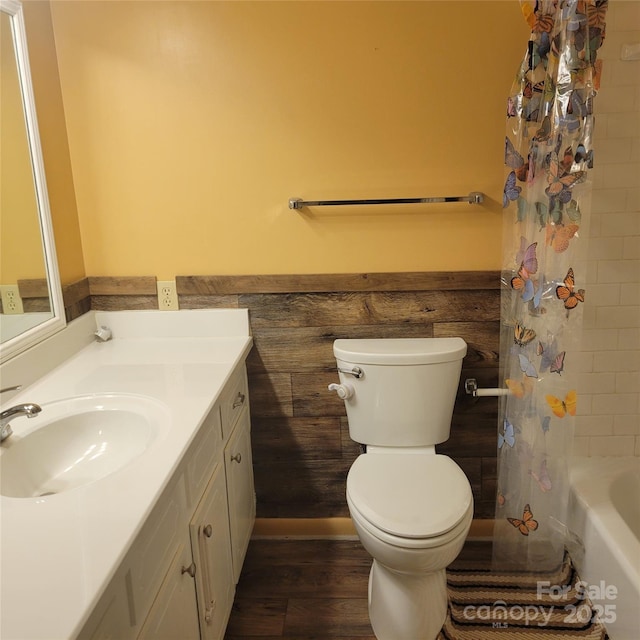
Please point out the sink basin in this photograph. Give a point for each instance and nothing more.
(77, 441)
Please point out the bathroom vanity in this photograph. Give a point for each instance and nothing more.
(153, 547)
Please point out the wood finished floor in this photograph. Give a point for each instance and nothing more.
(303, 589)
(308, 590)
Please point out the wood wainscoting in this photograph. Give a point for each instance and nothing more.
(301, 446)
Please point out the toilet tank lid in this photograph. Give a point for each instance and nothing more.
(399, 351)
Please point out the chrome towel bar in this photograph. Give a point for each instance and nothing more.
(475, 197)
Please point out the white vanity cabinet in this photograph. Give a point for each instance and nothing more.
(238, 464)
(211, 553)
(172, 612)
(240, 489)
(177, 582)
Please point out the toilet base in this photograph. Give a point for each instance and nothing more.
(406, 606)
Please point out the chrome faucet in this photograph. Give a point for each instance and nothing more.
(28, 409)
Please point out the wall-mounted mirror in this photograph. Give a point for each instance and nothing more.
(31, 296)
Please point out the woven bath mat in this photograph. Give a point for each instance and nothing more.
(489, 604)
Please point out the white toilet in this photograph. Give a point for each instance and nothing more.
(411, 507)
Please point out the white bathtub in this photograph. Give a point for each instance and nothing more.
(605, 513)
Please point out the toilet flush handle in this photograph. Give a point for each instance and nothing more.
(356, 372)
(344, 391)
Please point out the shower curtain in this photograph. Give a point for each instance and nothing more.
(548, 158)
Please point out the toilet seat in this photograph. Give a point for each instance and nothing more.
(414, 496)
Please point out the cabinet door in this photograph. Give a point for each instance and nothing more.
(174, 614)
(211, 549)
(112, 615)
(242, 498)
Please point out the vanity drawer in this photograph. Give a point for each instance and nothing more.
(234, 398)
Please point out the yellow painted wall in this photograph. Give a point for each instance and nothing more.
(53, 138)
(191, 124)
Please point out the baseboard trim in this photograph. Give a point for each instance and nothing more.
(481, 529)
(300, 528)
(335, 529)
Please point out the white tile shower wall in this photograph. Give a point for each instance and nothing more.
(608, 421)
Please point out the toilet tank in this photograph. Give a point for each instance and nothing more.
(407, 388)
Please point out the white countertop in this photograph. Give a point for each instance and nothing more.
(59, 552)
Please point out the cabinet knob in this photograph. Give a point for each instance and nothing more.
(237, 458)
(191, 570)
(208, 531)
(239, 401)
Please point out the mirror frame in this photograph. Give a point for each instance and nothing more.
(57, 322)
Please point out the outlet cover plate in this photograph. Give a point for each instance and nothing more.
(167, 295)
(11, 300)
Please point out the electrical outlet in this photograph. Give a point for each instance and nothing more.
(167, 295)
(11, 300)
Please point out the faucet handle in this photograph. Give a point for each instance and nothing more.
(14, 388)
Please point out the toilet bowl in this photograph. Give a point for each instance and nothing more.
(412, 508)
(412, 513)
